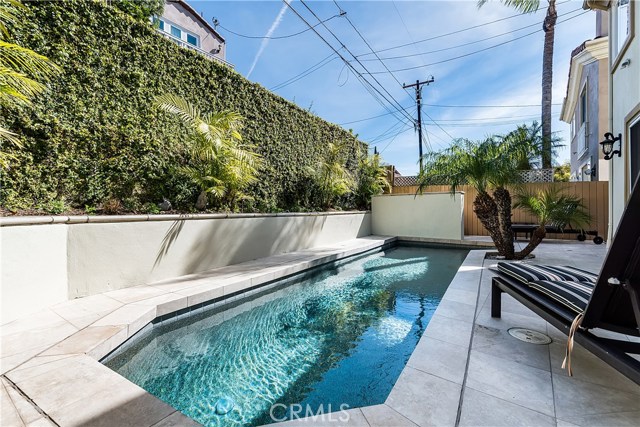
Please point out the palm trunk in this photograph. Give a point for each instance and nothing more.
(536, 238)
(486, 210)
(503, 204)
(547, 81)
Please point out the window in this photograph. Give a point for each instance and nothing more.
(161, 24)
(176, 32)
(622, 16)
(191, 39)
(583, 106)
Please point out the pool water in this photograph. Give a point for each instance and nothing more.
(339, 337)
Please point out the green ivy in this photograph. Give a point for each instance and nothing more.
(95, 135)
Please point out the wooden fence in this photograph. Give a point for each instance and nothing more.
(594, 195)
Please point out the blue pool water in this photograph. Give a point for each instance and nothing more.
(341, 336)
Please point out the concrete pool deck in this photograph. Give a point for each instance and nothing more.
(466, 369)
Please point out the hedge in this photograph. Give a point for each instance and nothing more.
(95, 135)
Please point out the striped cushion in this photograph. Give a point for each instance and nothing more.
(526, 273)
(573, 295)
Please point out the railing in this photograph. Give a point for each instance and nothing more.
(580, 141)
(184, 44)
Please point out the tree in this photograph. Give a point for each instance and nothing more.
(23, 72)
(562, 173)
(532, 135)
(549, 24)
(372, 180)
(551, 207)
(331, 175)
(488, 166)
(221, 165)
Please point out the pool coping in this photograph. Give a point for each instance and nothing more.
(50, 362)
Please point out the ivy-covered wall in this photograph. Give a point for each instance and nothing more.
(95, 135)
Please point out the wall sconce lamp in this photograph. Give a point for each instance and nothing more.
(607, 145)
(590, 172)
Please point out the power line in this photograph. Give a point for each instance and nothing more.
(393, 139)
(217, 24)
(474, 52)
(360, 75)
(306, 72)
(487, 106)
(454, 32)
(468, 43)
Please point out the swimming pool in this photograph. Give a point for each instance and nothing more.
(338, 337)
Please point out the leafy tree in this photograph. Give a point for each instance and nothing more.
(372, 180)
(23, 72)
(332, 175)
(221, 165)
(562, 173)
(549, 24)
(551, 207)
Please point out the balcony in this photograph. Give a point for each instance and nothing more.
(579, 145)
(186, 45)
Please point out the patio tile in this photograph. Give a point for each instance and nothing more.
(622, 419)
(576, 398)
(384, 416)
(425, 399)
(165, 304)
(481, 409)
(177, 419)
(202, 293)
(41, 422)
(509, 320)
(498, 343)
(135, 293)
(133, 316)
(123, 405)
(511, 381)
(9, 415)
(456, 310)
(86, 340)
(82, 312)
(449, 330)
(27, 412)
(439, 358)
(587, 367)
(462, 296)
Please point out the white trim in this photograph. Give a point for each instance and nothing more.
(594, 50)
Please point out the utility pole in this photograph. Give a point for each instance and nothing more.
(418, 85)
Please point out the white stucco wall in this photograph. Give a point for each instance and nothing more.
(435, 215)
(49, 263)
(33, 269)
(625, 106)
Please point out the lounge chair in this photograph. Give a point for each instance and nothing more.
(577, 302)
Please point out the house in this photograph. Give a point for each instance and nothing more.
(185, 26)
(624, 101)
(586, 105)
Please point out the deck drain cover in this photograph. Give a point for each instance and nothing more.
(530, 336)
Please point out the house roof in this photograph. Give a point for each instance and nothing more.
(199, 17)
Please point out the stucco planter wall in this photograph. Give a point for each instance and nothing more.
(429, 215)
(46, 260)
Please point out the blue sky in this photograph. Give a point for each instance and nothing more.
(470, 95)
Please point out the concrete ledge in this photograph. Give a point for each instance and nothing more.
(10, 221)
(447, 242)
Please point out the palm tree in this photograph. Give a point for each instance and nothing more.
(372, 180)
(531, 134)
(551, 207)
(488, 166)
(331, 174)
(221, 165)
(549, 24)
(22, 72)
